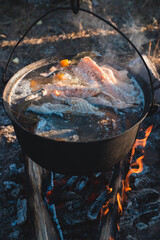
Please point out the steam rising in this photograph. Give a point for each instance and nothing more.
(115, 50)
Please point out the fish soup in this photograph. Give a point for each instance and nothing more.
(77, 100)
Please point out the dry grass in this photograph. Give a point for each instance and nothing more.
(154, 53)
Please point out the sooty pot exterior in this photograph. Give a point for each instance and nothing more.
(73, 157)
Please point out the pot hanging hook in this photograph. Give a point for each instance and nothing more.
(75, 6)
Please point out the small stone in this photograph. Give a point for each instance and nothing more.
(12, 167)
(95, 3)
(129, 237)
(15, 60)
(13, 188)
(21, 211)
(141, 226)
(7, 188)
(2, 36)
(1, 72)
(154, 220)
(137, 182)
(97, 174)
(39, 22)
(14, 235)
(15, 193)
(4, 119)
(21, 170)
(9, 185)
(129, 204)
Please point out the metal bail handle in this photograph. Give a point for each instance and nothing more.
(75, 6)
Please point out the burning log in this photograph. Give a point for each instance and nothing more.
(41, 226)
(95, 208)
(110, 209)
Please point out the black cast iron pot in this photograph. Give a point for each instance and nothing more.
(77, 158)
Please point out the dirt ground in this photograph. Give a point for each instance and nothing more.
(63, 33)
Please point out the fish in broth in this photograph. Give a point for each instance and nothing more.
(94, 102)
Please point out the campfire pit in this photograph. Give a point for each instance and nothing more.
(117, 200)
(82, 207)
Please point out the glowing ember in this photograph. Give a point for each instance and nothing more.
(48, 194)
(92, 197)
(57, 92)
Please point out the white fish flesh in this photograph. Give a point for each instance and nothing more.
(105, 79)
(82, 106)
(66, 135)
(49, 108)
(103, 102)
(100, 88)
(90, 72)
(71, 91)
(74, 106)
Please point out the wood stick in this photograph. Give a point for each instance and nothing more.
(41, 226)
(109, 221)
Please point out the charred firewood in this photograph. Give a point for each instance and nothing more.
(110, 212)
(41, 226)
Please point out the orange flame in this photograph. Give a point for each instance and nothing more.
(106, 211)
(105, 208)
(136, 167)
(109, 189)
(138, 162)
(118, 227)
(141, 142)
(119, 200)
(123, 190)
